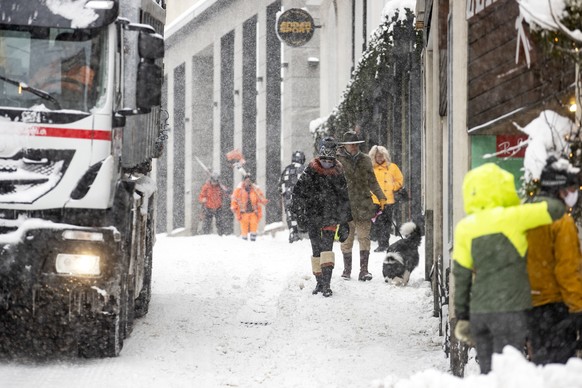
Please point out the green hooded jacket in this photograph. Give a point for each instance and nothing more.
(361, 184)
(490, 243)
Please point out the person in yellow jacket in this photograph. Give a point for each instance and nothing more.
(554, 264)
(390, 179)
(246, 204)
(491, 286)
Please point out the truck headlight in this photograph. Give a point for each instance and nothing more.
(78, 265)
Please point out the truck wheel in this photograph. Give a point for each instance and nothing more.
(130, 309)
(105, 340)
(142, 302)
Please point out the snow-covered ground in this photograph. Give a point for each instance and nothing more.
(231, 313)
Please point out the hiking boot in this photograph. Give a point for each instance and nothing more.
(346, 275)
(319, 286)
(326, 274)
(364, 274)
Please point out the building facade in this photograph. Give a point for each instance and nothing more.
(231, 84)
(479, 82)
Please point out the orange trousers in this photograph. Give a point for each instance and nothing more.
(249, 222)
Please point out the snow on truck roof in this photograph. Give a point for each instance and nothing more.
(59, 13)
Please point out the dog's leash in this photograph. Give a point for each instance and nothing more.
(396, 229)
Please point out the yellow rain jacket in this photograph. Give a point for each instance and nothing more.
(490, 243)
(389, 178)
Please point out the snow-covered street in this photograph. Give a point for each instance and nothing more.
(226, 312)
(230, 313)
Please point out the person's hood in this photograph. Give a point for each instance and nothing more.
(488, 186)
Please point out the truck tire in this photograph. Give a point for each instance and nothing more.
(142, 302)
(129, 316)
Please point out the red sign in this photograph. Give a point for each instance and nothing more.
(510, 146)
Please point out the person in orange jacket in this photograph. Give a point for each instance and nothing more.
(246, 204)
(554, 261)
(69, 70)
(210, 197)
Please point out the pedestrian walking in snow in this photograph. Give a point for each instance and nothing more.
(491, 283)
(553, 265)
(246, 204)
(320, 203)
(211, 197)
(390, 179)
(361, 184)
(288, 179)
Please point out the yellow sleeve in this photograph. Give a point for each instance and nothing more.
(398, 178)
(462, 247)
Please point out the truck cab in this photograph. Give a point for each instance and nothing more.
(80, 87)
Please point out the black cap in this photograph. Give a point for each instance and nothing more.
(298, 157)
(556, 175)
(328, 148)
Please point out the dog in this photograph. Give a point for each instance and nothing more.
(402, 257)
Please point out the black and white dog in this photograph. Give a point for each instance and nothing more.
(402, 256)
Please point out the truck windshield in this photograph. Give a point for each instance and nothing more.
(52, 68)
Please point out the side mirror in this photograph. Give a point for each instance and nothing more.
(149, 86)
(150, 46)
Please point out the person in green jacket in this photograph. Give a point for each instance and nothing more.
(361, 184)
(492, 289)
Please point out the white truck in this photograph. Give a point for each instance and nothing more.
(80, 93)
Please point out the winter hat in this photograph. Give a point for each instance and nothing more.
(298, 157)
(558, 174)
(327, 148)
(351, 137)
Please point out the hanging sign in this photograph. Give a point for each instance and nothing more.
(510, 146)
(295, 27)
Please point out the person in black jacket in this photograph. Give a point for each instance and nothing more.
(288, 179)
(320, 203)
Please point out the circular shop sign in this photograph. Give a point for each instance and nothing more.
(295, 27)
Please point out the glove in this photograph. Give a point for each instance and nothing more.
(343, 231)
(463, 333)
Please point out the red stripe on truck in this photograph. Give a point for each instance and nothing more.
(91, 134)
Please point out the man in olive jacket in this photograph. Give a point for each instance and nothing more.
(361, 183)
(492, 289)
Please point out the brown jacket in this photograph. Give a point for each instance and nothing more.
(554, 264)
(362, 184)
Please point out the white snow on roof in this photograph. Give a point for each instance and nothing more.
(394, 6)
(547, 14)
(540, 12)
(316, 123)
(74, 10)
(190, 14)
(547, 135)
